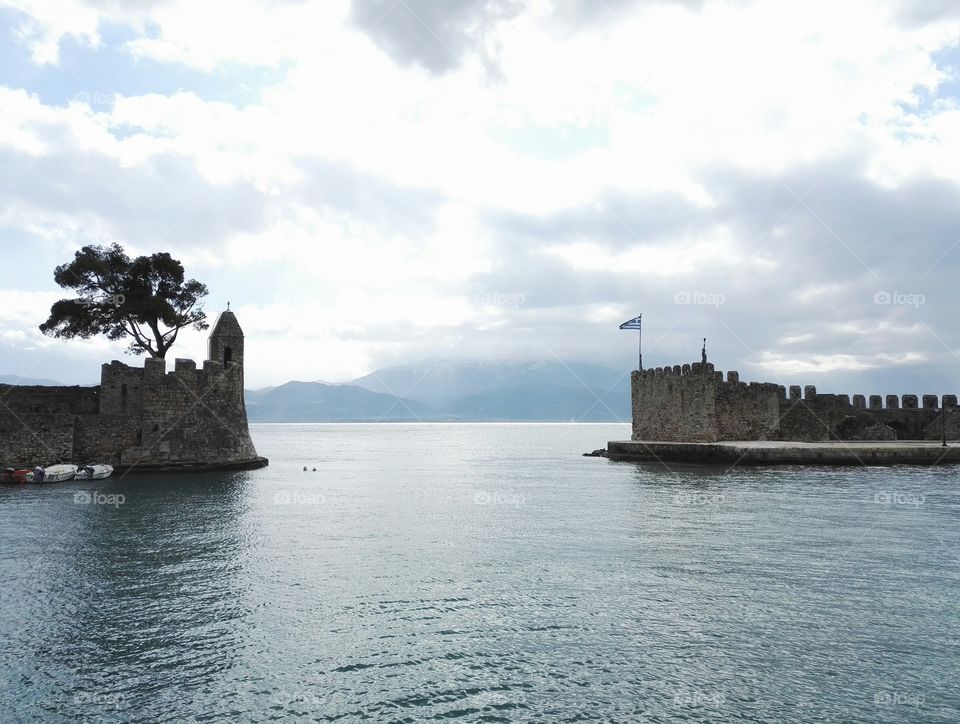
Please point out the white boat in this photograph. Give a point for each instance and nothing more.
(101, 471)
(59, 473)
(94, 472)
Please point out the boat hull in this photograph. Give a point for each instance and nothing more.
(59, 473)
(94, 472)
(101, 471)
(16, 477)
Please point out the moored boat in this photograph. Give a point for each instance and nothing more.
(59, 473)
(94, 472)
(9, 475)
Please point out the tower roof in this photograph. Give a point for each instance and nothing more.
(226, 325)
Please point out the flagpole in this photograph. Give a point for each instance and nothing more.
(640, 349)
(635, 324)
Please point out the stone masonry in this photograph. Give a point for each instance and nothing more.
(138, 417)
(695, 403)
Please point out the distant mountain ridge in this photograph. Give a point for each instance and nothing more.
(444, 390)
(439, 381)
(319, 402)
(541, 403)
(28, 381)
(451, 390)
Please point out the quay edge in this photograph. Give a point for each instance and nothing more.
(186, 467)
(786, 453)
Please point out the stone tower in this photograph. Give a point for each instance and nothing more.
(143, 418)
(226, 341)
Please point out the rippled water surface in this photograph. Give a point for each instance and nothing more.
(481, 573)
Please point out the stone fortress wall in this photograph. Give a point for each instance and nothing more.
(138, 417)
(695, 403)
(37, 423)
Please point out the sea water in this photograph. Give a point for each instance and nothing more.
(481, 573)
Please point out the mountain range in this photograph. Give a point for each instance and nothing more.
(28, 381)
(321, 402)
(446, 390)
(449, 389)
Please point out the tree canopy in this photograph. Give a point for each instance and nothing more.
(145, 299)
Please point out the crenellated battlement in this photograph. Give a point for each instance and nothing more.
(125, 388)
(144, 416)
(697, 403)
(879, 402)
(695, 368)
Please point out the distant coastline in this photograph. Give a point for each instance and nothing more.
(447, 390)
(460, 423)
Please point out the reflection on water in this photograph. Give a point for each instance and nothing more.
(480, 572)
(136, 587)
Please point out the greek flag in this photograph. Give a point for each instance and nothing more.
(632, 323)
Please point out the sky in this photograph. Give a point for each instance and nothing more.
(374, 182)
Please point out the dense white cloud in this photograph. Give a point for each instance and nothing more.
(45, 23)
(476, 177)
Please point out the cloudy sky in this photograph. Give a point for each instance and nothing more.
(371, 182)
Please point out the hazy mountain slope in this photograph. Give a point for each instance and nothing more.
(17, 380)
(317, 402)
(440, 382)
(537, 402)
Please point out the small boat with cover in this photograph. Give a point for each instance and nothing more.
(94, 472)
(59, 473)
